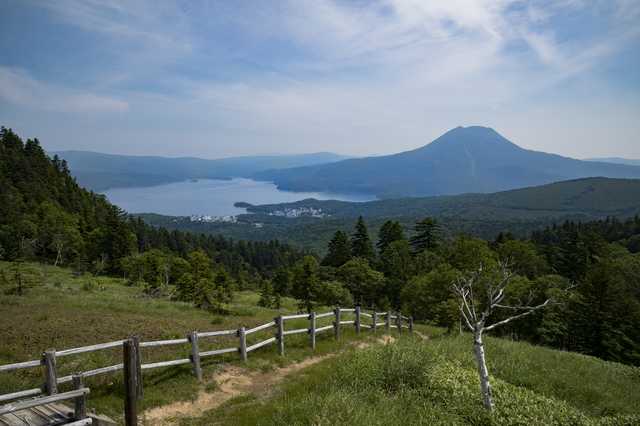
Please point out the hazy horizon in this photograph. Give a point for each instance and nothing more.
(218, 79)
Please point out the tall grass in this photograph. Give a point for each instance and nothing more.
(435, 382)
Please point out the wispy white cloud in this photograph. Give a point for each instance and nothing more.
(323, 67)
(18, 87)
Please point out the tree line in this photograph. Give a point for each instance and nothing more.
(44, 214)
(417, 275)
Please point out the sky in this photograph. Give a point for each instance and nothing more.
(217, 79)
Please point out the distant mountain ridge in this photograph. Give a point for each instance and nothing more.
(98, 172)
(464, 160)
(616, 160)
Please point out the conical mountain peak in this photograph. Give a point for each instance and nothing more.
(463, 160)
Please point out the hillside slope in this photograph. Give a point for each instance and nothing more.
(580, 199)
(98, 172)
(463, 160)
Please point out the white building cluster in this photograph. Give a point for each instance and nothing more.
(297, 212)
(207, 218)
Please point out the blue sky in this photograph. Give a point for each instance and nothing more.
(217, 79)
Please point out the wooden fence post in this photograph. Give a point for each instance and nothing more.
(336, 324)
(388, 321)
(410, 324)
(312, 329)
(130, 387)
(358, 319)
(79, 402)
(243, 343)
(136, 344)
(52, 371)
(374, 317)
(195, 353)
(399, 322)
(280, 335)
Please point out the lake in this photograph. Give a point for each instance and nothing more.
(212, 197)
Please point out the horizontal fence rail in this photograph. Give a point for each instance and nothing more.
(132, 365)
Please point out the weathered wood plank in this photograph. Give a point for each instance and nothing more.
(280, 334)
(328, 314)
(243, 343)
(261, 327)
(17, 406)
(195, 354)
(347, 322)
(136, 347)
(82, 422)
(336, 323)
(166, 363)
(22, 394)
(130, 378)
(163, 343)
(218, 352)
(21, 365)
(261, 344)
(217, 333)
(79, 402)
(312, 329)
(104, 370)
(366, 315)
(52, 371)
(300, 330)
(318, 330)
(89, 348)
(296, 316)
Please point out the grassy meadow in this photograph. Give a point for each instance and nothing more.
(412, 381)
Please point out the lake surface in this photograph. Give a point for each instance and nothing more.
(212, 197)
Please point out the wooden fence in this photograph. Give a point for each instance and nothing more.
(132, 362)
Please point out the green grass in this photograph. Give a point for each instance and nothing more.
(435, 382)
(410, 382)
(54, 316)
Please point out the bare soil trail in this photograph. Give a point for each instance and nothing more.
(232, 382)
(235, 381)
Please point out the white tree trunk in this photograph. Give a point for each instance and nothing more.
(482, 368)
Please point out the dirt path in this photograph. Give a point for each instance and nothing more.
(232, 382)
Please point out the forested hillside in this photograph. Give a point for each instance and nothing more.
(416, 275)
(45, 215)
(580, 199)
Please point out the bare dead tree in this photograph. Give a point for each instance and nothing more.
(100, 263)
(59, 243)
(475, 318)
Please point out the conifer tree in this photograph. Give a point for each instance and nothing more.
(306, 283)
(389, 232)
(429, 235)
(360, 243)
(339, 250)
(266, 295)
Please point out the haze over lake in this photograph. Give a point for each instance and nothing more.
(212, 197)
